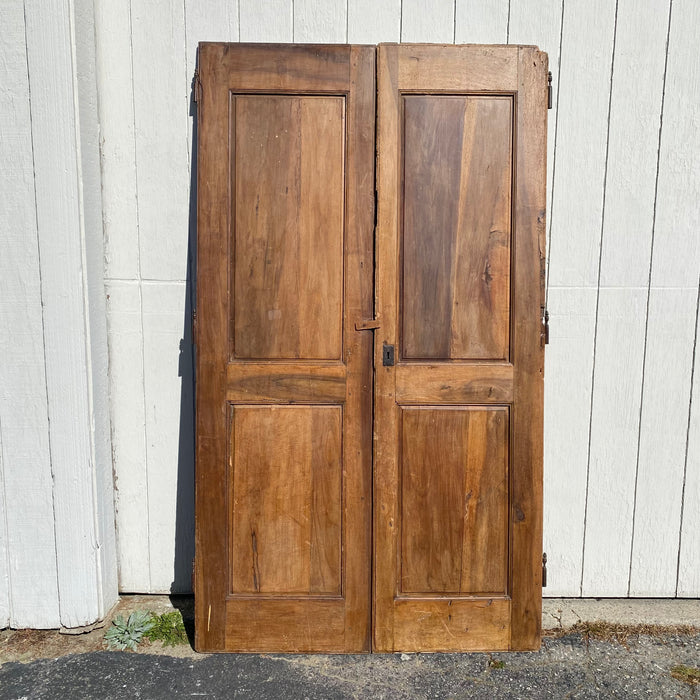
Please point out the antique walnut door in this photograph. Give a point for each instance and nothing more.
(458, 355)
(284, 367)
(369, 451)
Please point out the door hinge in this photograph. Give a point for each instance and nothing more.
(196, 87)
(194, 326)
(194, 575)
(545, 328)
(549, 89)
(544, 570)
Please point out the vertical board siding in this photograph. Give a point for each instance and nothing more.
(167, 359)
(423, 21)
(320, 21)
(374, 21)
(161, 127)
(128, 434)
(637, 86)
(269, 21)
(30, 550)
(4, 567)
(566, 399)
(116, 111)
(61, 234)
(688, 569)
(576, 218)
(671, 317)
(485, 22)
(616, 487)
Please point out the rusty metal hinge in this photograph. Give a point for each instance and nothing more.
(194, 326)
(196, 86)
(544, 570)
(545, 328)
(549, 89)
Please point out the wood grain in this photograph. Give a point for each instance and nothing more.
(456, 227)
(528, 353)
(445, 624)
(297, 503)
(286, 500)
(454, 501)
(285, 383)
(454, 383)
(284, 306)
(440, 556)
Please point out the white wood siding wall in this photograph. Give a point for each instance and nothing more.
(57, 538)
(622, 445)
(622, 436)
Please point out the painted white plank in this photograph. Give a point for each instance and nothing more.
(161, 107)
(270, 21)
(671, 331)
(4, 568)
(374, 21)
(128, 435)
(483, 21)
(676, 242)
(320, 21)
(664, 423)
(629, 204)
(689, 556)
(61, 230)
(614, 434)
(31, 551)
(85, 70)
(539, 23)
(116, 111)
(633, 148)
(582, 134)
(169, 432)
(568, 366)
(428, 21)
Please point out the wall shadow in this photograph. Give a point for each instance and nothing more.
(184, 512)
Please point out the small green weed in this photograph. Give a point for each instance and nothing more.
(493, 663)
(167, 628)
(687, 674)
(127, 634)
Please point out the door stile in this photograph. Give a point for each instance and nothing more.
(528, 350)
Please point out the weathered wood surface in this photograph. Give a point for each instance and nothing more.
(284, 276)
(455, 287)
(454, 501)
(426, 526)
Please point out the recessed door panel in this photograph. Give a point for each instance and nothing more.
(457, 164)
(288, 226)
(454, 500)
(286, 500)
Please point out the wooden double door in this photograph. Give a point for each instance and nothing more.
(369, 347)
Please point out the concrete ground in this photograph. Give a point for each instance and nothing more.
(602, 656)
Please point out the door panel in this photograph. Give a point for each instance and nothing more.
(458, 419)
(284, 378)
(288, 243)
(456, 227)
(454, 500)
(286, 497)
